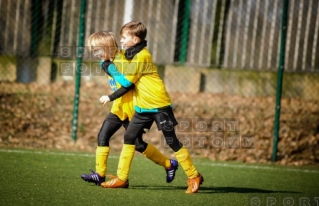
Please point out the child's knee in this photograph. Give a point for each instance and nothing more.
(129, 138)
(140, 145)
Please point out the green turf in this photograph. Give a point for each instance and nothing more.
(30, 177)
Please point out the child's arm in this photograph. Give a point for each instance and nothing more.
(111, 70)
(126, 85)
(118, 93)
(118, 76)
(131, 74)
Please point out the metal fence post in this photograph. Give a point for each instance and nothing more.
(35, 27)
(281, 67)
(78, 69)
(185, 32)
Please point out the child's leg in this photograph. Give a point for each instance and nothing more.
(195, 179)
(149, 151)
(166, 121)
(128, 151)
(102, 151)
(109, 127)
(101, 156)
(182, 154)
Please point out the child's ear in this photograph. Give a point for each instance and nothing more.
(136, 40)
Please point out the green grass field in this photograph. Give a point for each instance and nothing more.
(34, 177)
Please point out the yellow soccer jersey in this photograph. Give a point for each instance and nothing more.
(149, 93)
(123, 106)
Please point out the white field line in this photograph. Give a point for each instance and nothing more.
(206, 164)
(259, 167)
(52, 153)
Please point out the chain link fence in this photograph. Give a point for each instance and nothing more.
(218, 59)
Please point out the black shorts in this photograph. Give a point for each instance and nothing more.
(115, 119)
(164, 118)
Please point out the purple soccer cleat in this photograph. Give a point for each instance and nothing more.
(170, 173)
(94, 177)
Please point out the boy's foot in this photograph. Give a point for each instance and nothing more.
(194, 184)
(170, 173)
(94, 177)
(115, 183)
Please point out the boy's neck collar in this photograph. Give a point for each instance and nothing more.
(132, 51)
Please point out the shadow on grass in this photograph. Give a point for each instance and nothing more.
(240, 190)
(204, 189)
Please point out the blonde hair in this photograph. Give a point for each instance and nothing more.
(135, 28)
(105, 40)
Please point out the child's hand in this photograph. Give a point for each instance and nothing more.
(104, 99)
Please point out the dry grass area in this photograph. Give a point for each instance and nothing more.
(38, 116)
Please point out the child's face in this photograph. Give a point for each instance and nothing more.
(99, 53)
(128, 40)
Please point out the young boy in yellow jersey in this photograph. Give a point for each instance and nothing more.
(151, 103)
(105, 48)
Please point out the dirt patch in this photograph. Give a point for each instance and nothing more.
(219, 127)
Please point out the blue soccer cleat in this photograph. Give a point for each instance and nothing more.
(170, 173)
(94, 177)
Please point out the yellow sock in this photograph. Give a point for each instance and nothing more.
(101, 155)
(126, 158)
(156, 156)
(185, 161)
